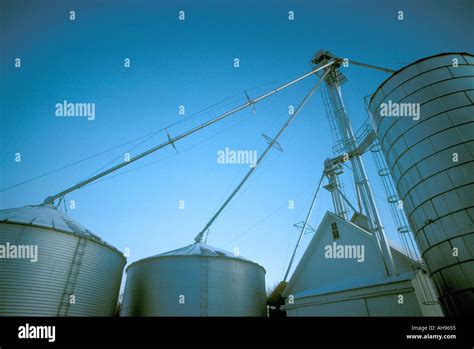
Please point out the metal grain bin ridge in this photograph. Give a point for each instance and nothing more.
(196, 280)
(431, 159)
(76, 274)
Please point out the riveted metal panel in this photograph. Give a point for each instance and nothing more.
(431, 160)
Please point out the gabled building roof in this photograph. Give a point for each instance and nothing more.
(403, 262)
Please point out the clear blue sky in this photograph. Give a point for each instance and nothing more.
(191, 63)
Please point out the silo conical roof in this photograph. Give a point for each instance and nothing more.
(49, 217)
(199, 249)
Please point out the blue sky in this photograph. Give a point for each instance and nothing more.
(190, 63)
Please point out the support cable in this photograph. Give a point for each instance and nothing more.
(385, 70)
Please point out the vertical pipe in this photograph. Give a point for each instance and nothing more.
(360, 175)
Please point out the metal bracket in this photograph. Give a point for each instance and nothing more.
(329, 187)
(200, 237)
(171, 142)
(275, 145)
(59, 202)
(309, 229)
(252, 103)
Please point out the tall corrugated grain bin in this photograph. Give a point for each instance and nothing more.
(72, 273)
(196, 280)
(431, 160)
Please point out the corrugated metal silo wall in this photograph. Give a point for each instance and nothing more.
(431, 160)
(37, 288)
(211, 286)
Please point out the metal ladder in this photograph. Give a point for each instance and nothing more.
(406, 235)
(403, 228)
(338, 148)
(72, 277)
(204, 284)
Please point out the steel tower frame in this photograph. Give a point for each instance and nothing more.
(333, 82)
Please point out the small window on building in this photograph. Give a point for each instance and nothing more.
(335, 231)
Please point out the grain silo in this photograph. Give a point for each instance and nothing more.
(52, 266)
(196, 280)
(423, 115)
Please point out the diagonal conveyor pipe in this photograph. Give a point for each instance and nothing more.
(200, 237)
(50, 199)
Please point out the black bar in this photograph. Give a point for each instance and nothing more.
(163, 332)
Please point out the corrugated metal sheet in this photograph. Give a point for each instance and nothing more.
(437, 191)
(197, 280)
(71, 260)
